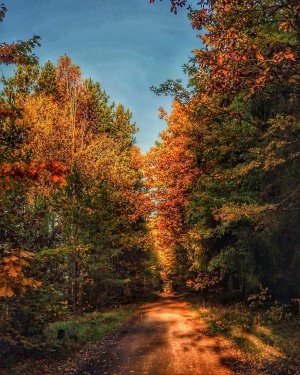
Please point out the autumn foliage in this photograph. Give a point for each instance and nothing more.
(73, 225)
(87, 221)
(225, 183)
(171, 171)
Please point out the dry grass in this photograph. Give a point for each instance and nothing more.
(269, 340)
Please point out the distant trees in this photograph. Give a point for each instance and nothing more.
(170, 174)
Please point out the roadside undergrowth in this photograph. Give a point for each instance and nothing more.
(87, 327)
(270, 338)
(64, 339)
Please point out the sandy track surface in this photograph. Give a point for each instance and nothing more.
(166, 339)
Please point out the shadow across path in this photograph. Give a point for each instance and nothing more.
(166, 339)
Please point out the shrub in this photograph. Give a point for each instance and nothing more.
(260, 300)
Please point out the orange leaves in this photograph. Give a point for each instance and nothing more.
(6, 291)
(18, 52)
(259, 56)
(136, 158)
(31, 171)
(68, 78)
(58, 173)
(258, 83)
(13, 280)
(220, 61)
(55, 178)
(170, 172)
(162, 113)
(284, 55)
(199, 18)
(204, 280)
(285, 27)
(290, 56)
(14, 271)
(9, 53)
(225, 72)
(16, 171)
(236, 54)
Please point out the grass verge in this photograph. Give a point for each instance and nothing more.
(270, 342)
(68, 342)
(87, 327)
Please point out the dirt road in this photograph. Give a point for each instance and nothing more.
(166, 339)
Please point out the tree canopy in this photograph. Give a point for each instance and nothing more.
(238, 155)
(87, 221)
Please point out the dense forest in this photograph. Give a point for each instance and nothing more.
(73, 206)
(225, 175)
(87, 222)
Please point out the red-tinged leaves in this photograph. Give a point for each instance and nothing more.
(32, 172)
(170, 173)
(55, 178)
(235, 54)
(19, 52)
(290, 56)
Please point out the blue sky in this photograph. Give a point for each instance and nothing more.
(126, 45)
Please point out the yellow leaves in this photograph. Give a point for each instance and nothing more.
(244, 169)
(26, 254)
(13, 280)
(235, 212)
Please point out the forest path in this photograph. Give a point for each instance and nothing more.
(166, 339)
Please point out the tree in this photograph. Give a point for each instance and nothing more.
(171, 172)
(74, 199)
(243, 109)
(174, 4)
(17, 52)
